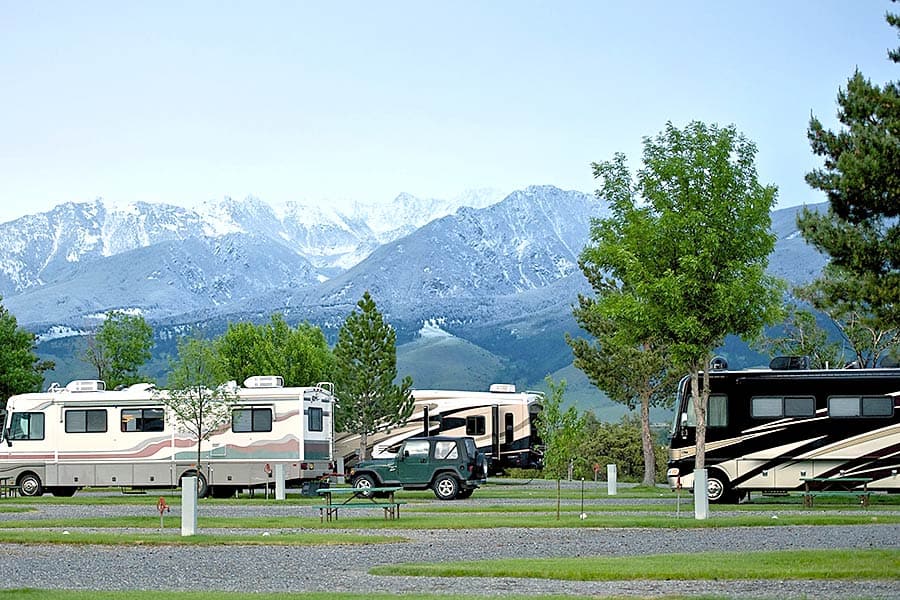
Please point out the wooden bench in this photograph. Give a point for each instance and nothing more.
(327, 512)
(852, 487)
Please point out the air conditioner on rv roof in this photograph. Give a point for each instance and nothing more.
(264, 381)
(503, 388)
(86, 385)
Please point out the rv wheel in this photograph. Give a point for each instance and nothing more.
(718, 488)
(30, 485)
(446, 487)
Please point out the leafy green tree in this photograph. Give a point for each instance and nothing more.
(365, 371)
(560, 431)
(860, 287)
(689, 240)
(119, 348)
(198, 398)
(21, 370)
(803, 336)
(632, 372)
(620, 443)
(300, 354)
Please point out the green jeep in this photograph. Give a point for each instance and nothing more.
(451, 466)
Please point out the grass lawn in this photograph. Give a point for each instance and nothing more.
(793, 564)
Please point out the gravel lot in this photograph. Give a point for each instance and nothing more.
(344, 568)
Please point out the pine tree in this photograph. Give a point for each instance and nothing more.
(860, 231)
(365, 371)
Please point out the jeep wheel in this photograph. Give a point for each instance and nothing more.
(463, 494)
(364, 481)
(446, 487)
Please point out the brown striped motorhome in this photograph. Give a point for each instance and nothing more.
(500, 420)
(83, 435)
(769, 429)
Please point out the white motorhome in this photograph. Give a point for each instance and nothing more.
(501, 421)
(83, 435)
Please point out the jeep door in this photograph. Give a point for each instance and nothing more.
(414, 463)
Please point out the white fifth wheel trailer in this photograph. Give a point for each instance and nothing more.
(83, 435)
(500, 420)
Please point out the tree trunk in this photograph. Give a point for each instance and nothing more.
(700, 398)
(363, 446)
(647, 443)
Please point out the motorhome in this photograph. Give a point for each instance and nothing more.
(500, 420)
(768, 430)
(84, 435)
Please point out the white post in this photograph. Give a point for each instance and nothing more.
(611, 480)
(340, 470)
(188, 506)
(279, 481)
(701, 499)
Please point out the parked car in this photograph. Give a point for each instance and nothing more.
(451, 466)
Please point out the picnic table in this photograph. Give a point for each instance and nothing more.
(337, 498)
(835, 486)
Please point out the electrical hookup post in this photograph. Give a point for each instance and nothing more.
(188, 506)
(701, 498)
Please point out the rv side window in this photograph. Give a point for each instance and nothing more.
(877, 406)
(508, 427)
(315, 419)
(475, 426)
(86, 421)
(143, 419)
(775, 407)
(247, 420)
(448, 423)
(861, 406)
(26, 426)
(716, 412)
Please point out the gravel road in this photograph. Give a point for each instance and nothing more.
(345, 568)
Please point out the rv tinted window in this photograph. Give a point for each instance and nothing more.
(765, 407)
(843, 406)
(448, 423)
(246, 420)
(474, 425)
(86, 421)
(315, 419)
(716, 412)
(143, 419)
(877, 406)
(26, 426)
(508, 428)
(799, 406)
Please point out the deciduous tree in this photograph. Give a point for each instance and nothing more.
(560, 431)
(21, 370)
(119, 348)
(688, 238)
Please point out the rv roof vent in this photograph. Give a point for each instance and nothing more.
(264, 381)
(718, 363)
(503, 388)
(789, 363)
(86, 385)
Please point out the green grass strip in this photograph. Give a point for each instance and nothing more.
(167, 538)
(793, 564)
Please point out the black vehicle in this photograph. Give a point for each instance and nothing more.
(769, 429)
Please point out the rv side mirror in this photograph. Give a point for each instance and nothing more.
(684, 420)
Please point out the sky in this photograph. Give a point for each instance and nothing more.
(332, 102)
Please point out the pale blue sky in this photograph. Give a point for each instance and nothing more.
(328, 101)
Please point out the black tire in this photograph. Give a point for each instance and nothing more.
(30, 485)
(64, 491)
(445, 486)
(718, 489)
(222, 491)
(364, 480)
(202, 485)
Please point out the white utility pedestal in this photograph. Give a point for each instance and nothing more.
(279, 481)
(701, 498)
(611, 477)
(188, 506)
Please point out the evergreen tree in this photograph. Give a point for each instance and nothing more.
(365, 371)
(21, 370)
(861, 230)
(118, 349)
